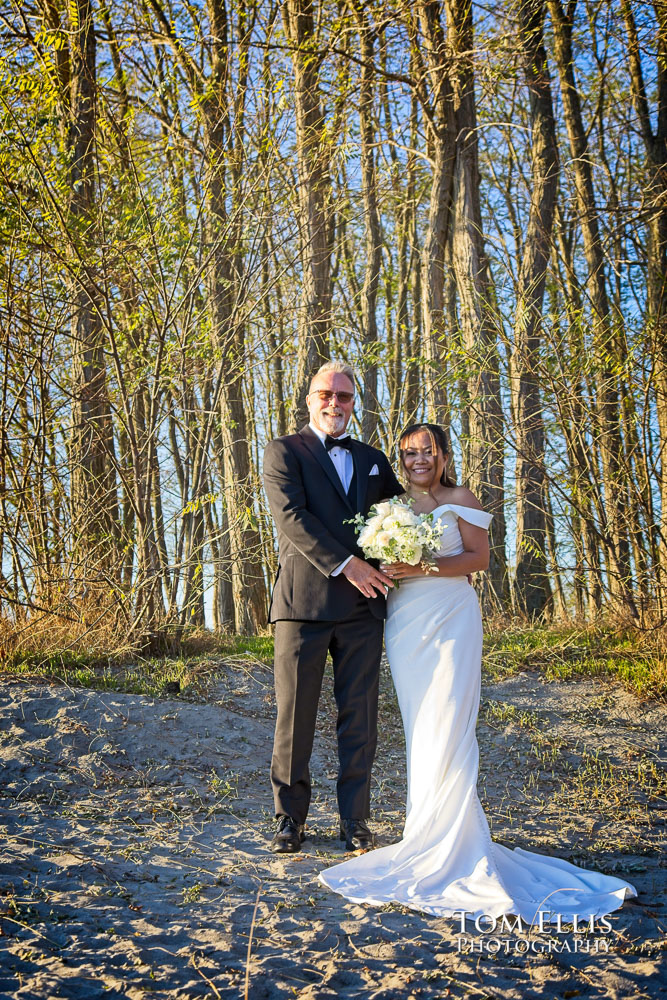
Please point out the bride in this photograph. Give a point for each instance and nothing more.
(446, 861)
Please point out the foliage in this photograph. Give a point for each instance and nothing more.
(155, 282)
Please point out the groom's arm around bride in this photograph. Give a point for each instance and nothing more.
(326, 598)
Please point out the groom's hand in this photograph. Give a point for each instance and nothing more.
(366, 578)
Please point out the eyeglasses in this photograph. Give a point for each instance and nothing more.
(326, 394)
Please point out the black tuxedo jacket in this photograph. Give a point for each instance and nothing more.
(309, 506)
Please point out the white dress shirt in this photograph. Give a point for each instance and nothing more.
(344, 466)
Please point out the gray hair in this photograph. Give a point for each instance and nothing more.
(337, 367)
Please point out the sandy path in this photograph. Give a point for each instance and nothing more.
(134, 850)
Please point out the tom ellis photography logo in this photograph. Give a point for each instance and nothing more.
(562, 934)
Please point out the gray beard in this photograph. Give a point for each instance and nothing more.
(333, 425)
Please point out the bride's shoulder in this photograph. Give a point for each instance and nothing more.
(461, 496)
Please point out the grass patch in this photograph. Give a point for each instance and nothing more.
(636, 659)
(160, 676)
(259, 646)
(156, 678)
(608, 791)
(502, 712)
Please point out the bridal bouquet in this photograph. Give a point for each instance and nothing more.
(392, 532)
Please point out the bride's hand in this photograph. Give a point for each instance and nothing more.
(401, 570)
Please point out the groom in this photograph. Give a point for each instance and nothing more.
(326, 598)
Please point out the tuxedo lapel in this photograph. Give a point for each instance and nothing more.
(362, 468)
(318, 451)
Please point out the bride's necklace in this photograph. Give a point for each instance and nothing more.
(418, 501)
(416, 498)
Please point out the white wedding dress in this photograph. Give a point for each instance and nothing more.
(446, 861)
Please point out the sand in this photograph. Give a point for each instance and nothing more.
(133, 861)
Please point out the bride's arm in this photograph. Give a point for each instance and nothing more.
(475, 557)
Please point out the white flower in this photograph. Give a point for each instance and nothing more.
(413, 556)
(395, 533)
(404, 516)
(367, 535)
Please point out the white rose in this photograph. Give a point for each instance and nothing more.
(383, 538)
(383, 509)
(367, 536)
(406, 517)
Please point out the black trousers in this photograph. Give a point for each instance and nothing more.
(300, 656)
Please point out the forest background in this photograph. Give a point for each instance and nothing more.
(202, 201)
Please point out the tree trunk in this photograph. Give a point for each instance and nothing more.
(533, 592)
(584, 477)
(371, 406)
(273, 320)
(93, 482)
(559, 605)
(225, 283)
(607, 410)
(479, 320)
(398, 351)
(315, 202)
(443, 140)
(414, 337)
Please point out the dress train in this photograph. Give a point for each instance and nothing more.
(446, 861)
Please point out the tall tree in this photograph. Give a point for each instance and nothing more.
(93, 493)
(655, 213)
(316, 215)
(439, 104)
(222, 100)
(477, 306)
(608, 415)
(531, 581)
(373, 233)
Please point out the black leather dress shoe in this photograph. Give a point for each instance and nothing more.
(356, 834)
(288, 837)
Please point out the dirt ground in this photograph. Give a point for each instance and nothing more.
(134, 857)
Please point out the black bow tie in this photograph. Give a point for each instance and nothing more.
(332, 442)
